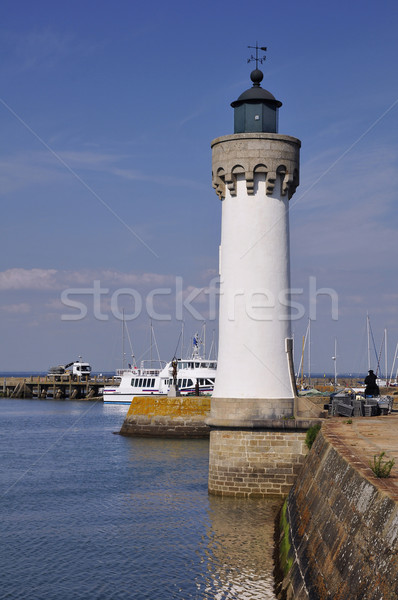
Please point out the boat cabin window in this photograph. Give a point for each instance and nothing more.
(189, 382)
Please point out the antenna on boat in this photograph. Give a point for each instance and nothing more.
(133, 361)
(176, 350)
(154, 342)
(212, 345)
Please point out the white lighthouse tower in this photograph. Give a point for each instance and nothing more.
(255, 172)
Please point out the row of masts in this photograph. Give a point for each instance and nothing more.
(199, 345)
(306, 343)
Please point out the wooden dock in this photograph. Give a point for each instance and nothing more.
(58, 388)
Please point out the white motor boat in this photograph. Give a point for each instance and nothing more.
(194, 375)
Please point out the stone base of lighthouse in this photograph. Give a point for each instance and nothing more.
(257, 446)
(258, 462)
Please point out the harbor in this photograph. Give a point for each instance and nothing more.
(262, 466)
(67, 386)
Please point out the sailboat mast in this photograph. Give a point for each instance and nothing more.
(309, 352)
(385, 353)
(123, 353)
(393, 362)
(368, 334)
(335, 363)
(150, 345)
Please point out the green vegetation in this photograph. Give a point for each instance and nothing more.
(311, 434)
(286, 560)
(348, 422)
(380, 468)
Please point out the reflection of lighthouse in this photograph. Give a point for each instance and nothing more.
(255, 172)
(239, 560)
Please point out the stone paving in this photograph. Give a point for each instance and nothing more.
(362, 439)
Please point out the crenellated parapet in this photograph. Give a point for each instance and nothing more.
(249, 154)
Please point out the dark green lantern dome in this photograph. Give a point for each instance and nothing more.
(256, 110)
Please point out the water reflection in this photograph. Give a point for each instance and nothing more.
(239, 549)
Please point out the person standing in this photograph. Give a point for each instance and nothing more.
(372, 389)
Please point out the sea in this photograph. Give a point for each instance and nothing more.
(87, 514)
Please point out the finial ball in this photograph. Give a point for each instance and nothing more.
(256, 76)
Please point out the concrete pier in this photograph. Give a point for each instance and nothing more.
(57, 388)
(164, 416)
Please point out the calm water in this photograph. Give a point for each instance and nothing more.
(87, 514)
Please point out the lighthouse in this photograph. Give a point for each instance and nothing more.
(255, 172)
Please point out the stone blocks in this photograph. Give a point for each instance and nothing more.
(255, 463)
(245, 153)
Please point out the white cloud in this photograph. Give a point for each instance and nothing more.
(55, 280)
(16, 309)
(28, 279)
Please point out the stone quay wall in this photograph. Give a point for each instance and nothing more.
(339, 527)
(161, 416)
(263, 462)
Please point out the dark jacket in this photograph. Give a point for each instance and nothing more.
(372, 389)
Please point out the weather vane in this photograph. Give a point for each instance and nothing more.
(256, 58)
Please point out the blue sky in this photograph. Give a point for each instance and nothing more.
(107, 111)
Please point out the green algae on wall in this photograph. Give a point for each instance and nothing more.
(285, 558)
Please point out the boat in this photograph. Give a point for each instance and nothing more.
(194, 375)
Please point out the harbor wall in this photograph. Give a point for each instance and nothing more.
(339, 529)
(161, 416)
